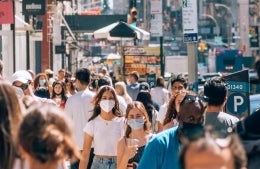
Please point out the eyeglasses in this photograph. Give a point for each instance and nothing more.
(194, 98)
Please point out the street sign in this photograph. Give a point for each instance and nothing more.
(33, 7)
(156, 29)
(237, 103)
(190, 20)
(156, 21)
(238, 97)
(6, 12)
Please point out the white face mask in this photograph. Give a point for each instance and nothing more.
(107, 105)
(42, 82)
(136, 123)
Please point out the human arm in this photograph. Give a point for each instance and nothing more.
(124, 153)
(86, 151)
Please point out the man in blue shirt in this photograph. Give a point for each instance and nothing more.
(133, 86)
(163, 150)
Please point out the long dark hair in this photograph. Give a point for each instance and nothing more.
(63, 91)
(171, 112)
(97, 110)
(146, 98)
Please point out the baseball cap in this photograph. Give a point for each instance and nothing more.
(144, 86)
(21, 76)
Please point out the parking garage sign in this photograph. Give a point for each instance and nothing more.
(238, 97)
(190, 20)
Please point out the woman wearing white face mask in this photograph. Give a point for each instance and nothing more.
(137, 130)
(41, 82)
(104, 129)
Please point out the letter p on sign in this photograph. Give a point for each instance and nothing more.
(238, 101)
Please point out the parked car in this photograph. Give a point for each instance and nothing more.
(254, 103)
(208, 76)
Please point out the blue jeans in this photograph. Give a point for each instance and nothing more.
(104, 163)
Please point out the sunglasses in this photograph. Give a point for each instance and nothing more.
(24, 86)
(194, 98)
(220, 136)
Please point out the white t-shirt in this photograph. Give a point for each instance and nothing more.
(160, 95)
(105, 134)
(162, 113)
(79, 108)
(122, 104)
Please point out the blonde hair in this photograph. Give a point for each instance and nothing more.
(120, 88)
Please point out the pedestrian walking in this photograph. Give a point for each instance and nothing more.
(137, 132)
(159, 93)
(216, 90)
(106, 121)
(120, 88)
(133, 85)
(170, 119)
(59, 94)
(163, 149)
(79, 107)
(146, 98)
(178, 88)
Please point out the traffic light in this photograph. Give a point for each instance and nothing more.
(132, 18)
(202, 46)
(251, 32)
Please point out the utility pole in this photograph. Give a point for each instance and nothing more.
(243, 13)
(190, 36)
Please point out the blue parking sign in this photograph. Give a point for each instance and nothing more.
(238, 93)
(237, 103)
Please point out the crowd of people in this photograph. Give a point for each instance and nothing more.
(89, 121)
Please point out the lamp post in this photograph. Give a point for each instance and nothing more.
(215, 21)
(217, 5)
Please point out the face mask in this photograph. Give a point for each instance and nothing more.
(136, 123)
(42, 82)
(192, 131)
(107, 105)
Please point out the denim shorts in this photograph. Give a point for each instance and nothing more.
(104, 163)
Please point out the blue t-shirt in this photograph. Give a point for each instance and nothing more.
(162, 152)
(133, 90)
